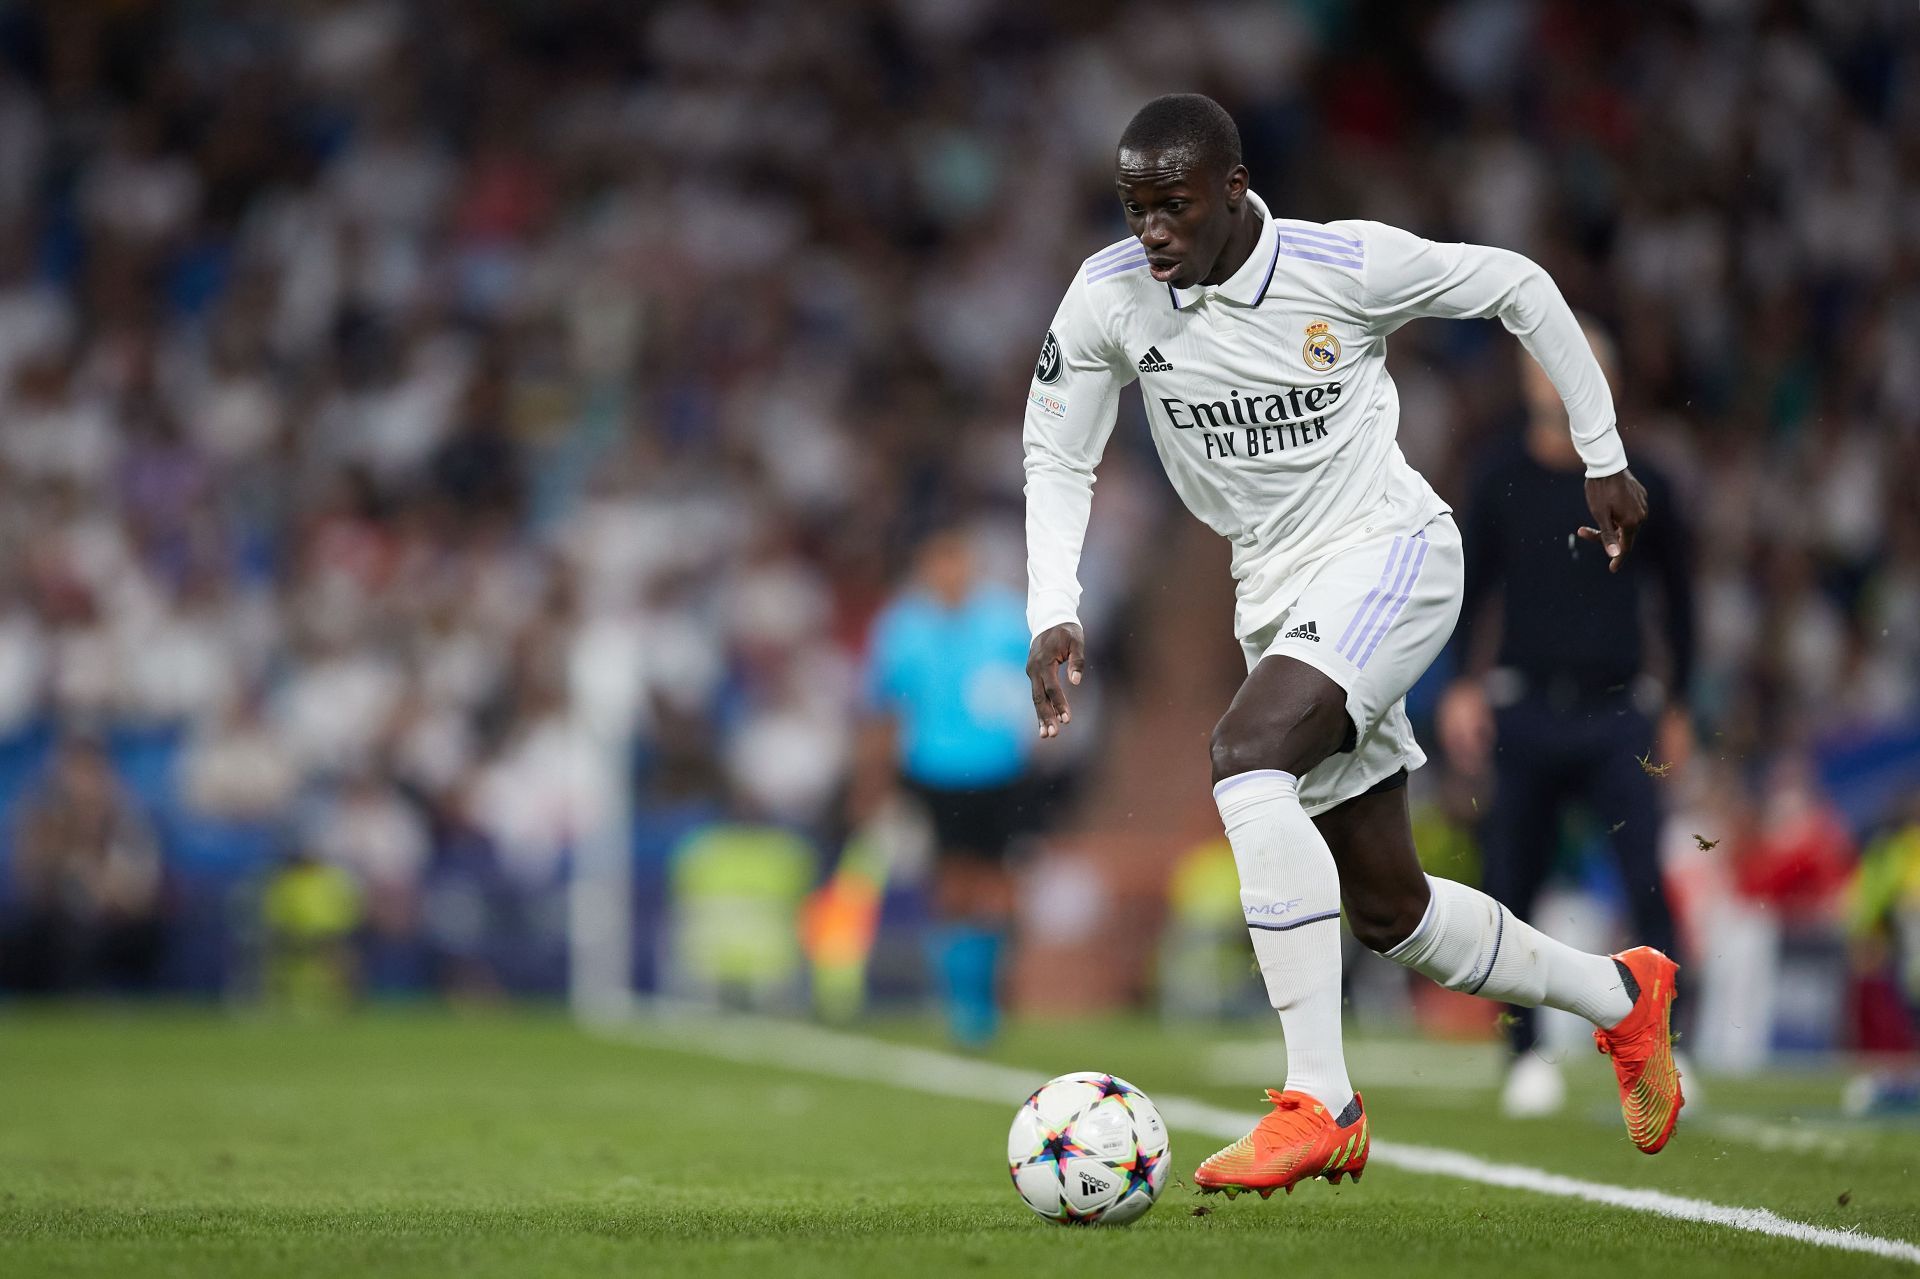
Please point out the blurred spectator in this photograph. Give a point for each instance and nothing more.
(1802, 855)
(236, 768)
(370, 830)
(310, 911)
(88, 881)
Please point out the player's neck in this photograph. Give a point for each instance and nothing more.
(1245, 234)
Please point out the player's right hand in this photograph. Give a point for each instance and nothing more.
(1056, 644)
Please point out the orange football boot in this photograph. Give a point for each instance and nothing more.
(1642, 1050)
(1298, 1140)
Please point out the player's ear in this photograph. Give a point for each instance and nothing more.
(1236, 185)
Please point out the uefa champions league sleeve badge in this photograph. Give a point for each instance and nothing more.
(1047, 368)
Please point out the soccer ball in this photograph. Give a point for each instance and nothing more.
(1088, 1149)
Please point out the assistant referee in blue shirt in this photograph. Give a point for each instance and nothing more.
(951, 723)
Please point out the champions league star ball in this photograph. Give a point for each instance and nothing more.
(1088, 1149)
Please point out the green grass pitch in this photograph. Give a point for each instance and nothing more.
(174, 1143)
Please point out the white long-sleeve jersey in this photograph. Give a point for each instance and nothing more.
(1268, 395)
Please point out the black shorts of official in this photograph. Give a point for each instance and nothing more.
(982, 823)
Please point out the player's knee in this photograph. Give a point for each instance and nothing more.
(1232, 750)
(1290, 738)
(1381, 921)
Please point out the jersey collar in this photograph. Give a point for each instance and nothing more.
(1248, 286)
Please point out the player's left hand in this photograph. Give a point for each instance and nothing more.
(1619, 506)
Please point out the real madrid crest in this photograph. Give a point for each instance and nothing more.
(1322, 349)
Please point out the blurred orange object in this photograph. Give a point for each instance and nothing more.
(840, 919)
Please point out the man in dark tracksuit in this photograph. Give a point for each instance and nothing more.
(1571, 706)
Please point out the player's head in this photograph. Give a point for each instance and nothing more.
(943, 561)
(1546, 414)
(1181, 183)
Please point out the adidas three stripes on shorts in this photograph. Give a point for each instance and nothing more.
(1372, 619)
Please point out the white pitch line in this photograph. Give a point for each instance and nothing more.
(798, 1046)
(1776, 1137)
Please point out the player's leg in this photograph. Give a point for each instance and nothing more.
(1518, 840)
(1459, 936)
(1626, 800)
(1623, 798)
(1383, 889)
(973, 901)
(1296, 723)
(1467, 941)
(1287, 718)
(966, 946)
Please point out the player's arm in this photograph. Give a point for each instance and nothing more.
(1406, 277)
(1672, 553)
(1670, 548)
(1070, 413)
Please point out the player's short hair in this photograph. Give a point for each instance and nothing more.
(1190, 122)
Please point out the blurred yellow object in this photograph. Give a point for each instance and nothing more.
(1447, 847)
(1204, 889)
(311, 900)
(737, 892)
(1883, 901)
(1887, 881)
(311, 911)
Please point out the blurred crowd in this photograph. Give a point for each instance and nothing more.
(408, 406)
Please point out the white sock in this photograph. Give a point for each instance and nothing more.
(1290, 892)
(1469, 942)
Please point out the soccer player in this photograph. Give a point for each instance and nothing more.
(1260, 346)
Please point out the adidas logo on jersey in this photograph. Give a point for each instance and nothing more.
(1154, 362)
(1305, 631)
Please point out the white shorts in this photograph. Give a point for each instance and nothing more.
(1372, 619)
